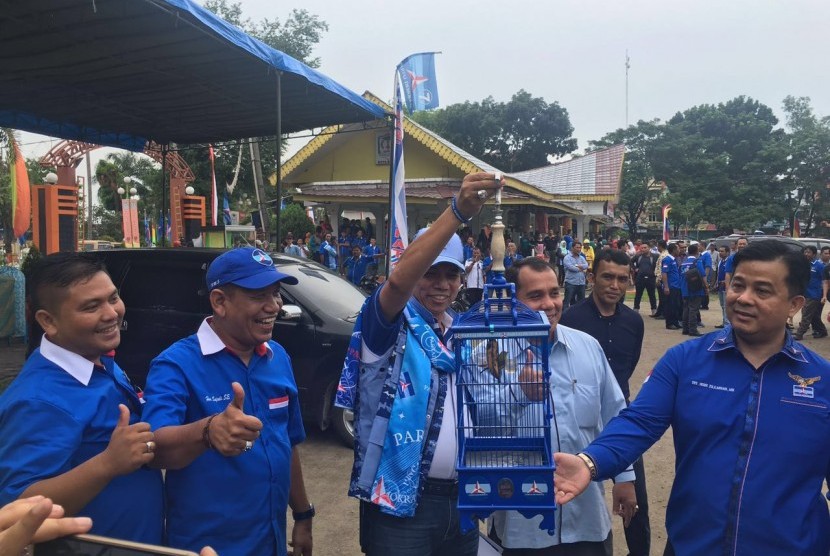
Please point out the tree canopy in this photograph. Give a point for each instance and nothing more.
(517, 135)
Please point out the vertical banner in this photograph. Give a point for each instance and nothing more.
(214, 197)
(666, 211)
(20, 194)
(129, 214)
(398, 229)
(420, 87)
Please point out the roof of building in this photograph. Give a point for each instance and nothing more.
(595, 176)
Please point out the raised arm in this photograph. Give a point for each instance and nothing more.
(418, 256)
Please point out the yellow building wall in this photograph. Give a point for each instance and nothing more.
(351, 157)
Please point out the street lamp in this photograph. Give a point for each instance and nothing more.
(189, 190)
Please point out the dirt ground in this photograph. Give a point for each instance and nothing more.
(327, 464)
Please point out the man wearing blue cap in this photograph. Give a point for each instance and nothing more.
(405, 406)
(223, 405)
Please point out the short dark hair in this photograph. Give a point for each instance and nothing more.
(810, 248)
(798, 269)
(693, 249)
(615, 256)
(57, 272)
(661, 244)
(533, 263)
(825, 248)
(673, 248)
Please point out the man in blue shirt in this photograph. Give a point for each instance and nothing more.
(723, 253)
(223, 404)
(619, 330)
(70, 422)
(585, 397)
(693, 288)
(329, 253)
(706, 259)
(740, 245)
(355, 266)
(670, 277)
(576, 269)
(811, 313)
(748, 407)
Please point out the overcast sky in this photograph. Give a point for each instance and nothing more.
(573, 52)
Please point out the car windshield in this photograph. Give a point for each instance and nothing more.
(320, 288)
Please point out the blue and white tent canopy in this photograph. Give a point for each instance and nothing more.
(122, 72)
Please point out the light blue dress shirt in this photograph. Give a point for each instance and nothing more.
(586, 396)
(573, 269)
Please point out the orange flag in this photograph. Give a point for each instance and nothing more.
(21, 198)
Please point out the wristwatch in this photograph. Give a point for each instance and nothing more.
(302, 516)
(589, 463)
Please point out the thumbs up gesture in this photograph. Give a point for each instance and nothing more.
(130, 446)
(531, 379)
(233, 432)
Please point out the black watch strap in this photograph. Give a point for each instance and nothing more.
(302, 516)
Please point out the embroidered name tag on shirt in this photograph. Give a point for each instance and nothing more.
(278, 403)
(803, 391)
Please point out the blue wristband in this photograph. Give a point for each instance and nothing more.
(457, 213)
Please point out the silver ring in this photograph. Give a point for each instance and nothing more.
(482, 194)
(248, 445)
(150, 446)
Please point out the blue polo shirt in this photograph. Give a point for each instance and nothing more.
(60, 412)
(235, 504)
(706, 259)
(730, 263)
(669, 268)
(814, 290)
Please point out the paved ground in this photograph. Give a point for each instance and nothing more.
(327, 463)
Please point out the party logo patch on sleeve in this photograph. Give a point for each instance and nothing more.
(278, 403)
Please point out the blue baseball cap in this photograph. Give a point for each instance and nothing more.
(453, 251)
(246, 267)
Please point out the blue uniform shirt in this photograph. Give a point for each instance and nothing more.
(60, 412)
(750, 444)
(814, 290)
(356, 268)
(684, 268)
(669, 268)
(237, 505)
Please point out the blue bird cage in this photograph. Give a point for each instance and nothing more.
(505, 458)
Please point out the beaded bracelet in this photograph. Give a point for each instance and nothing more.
(457, 213)
(206, 432)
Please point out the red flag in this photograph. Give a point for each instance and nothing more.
(21, 199)
(214, 198)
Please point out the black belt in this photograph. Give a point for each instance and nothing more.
(441, 487)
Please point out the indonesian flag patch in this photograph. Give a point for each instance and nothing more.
(278, 403)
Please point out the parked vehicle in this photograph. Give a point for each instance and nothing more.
(166, 299)
(729, 241)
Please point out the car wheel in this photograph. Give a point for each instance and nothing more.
(342, 420)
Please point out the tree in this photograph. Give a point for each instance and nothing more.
(637, 190)
(294, 219)
(296, 36)
(518, 135)
(806, 174)
(715, 161)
